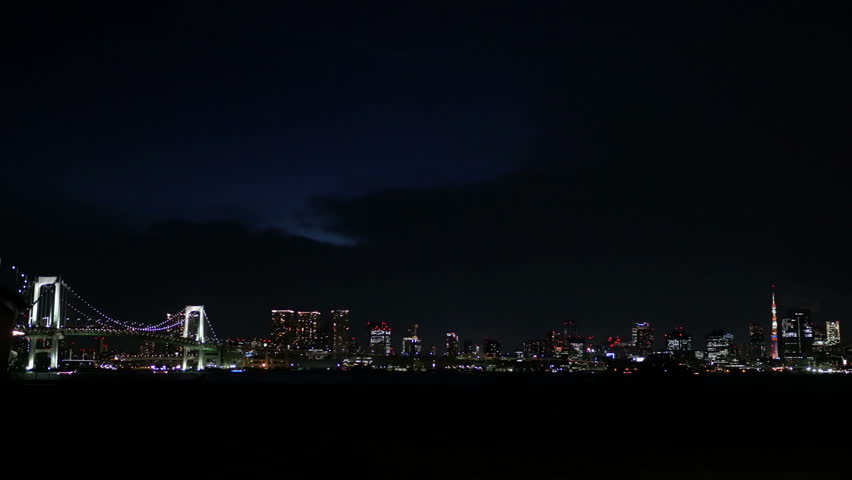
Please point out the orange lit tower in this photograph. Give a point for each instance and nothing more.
(774, 337)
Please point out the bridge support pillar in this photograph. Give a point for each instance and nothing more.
(54, 351)
(37, 346)
(185, 357)
(32, 355)
(52, 321)
(202, 361)
(198, 335)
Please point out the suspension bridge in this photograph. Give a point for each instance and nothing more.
(58, 312)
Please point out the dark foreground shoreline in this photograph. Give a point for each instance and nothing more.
(391, 425)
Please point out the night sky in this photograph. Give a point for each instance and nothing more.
(492, 170)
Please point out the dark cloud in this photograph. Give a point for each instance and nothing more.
(671, 242)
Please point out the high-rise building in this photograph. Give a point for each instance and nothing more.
(467, 348)
(380, 338)
(756, 348)
(569, 330)
(819, 338)
(294, 331)
(797, 337)
(573, 345)
(412, 344)
(322, 340)
(719, 347)
(492, 348)
(340, 333)
(305, 334)
(678, 341)
(643, 336)
(283, 322)
(832, 333)
(452, 345)
(354, 346)
(534, 348)
(554, 343)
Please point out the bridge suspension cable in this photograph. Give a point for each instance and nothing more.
(69, 300)
(79, 305)
(213, 335)
(172, 320)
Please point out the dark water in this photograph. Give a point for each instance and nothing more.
(433, 426)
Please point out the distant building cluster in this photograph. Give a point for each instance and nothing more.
(314, 340)
(309, 339)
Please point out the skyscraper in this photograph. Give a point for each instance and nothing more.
(294, 331)
(554, 343)
(452, 345)
(305, 332)
(492, 348)
(678, 341)
(534, 348)
(643, 337)
(569, 330)
(354, 346)
(322, 339)
(797, 337)
(412, 344)
(573, 345)
(832, 333)
(719, 347)
(340, 336)
(756, 348)
(380, 338)
(283, 322)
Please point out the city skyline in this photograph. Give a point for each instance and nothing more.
(741, 331)
(480, 173)
(431, 239)
(757, 344)
(435, 338)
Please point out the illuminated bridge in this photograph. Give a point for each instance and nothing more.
(57, 312)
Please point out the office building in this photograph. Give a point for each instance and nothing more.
(304, 335)
(493, 348)
(380, 338)
(756, 349)
(452, 346)
(411, 346)
(643, 337)
(340, 333)
(678, 341)
(797, 338)
(832, 333)
(283, 323)
(467, 348)
(719, 348)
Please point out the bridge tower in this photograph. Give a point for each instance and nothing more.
(52, 322)
(198, 335)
